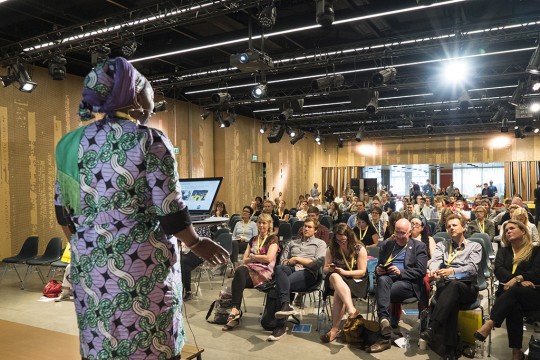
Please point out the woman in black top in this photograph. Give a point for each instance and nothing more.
(517, 267)
(329, 194)
(364, 230)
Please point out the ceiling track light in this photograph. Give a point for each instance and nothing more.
(429, 129)
(517, 96)
(18, 74)
(160, 106)
(298, 137)
(129, 47)
(205, 115)
(57, 67)
(259, 91)
(267, 16)
(360, 135)
(324, 10)
(534, 64)
(373, 105)
(317, 137)
(263, 129)
(285, 114)
(221, 98)
(328, 82)
(504, 125)
(384, 76)
(340, 142)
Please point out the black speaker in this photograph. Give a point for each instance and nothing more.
(370, 186)
(276, 133)
(355, 186)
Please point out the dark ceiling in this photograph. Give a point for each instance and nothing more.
(190, 43)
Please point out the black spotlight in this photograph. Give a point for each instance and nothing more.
(220, 98)
(21, 76)
(504, 125)
(360, 135)
(298, 137)
(324, 12)
(518, 134)
(128, 48)
(429, 128)
(205, 114)
(160, 106)
(259, 91)
(267, 17)
(57, 67)
(339, 142)
(517, 96)
(384, 76)
(373, 105)
(99, 54)
(276, 133)
(328, 82)
(285, 115)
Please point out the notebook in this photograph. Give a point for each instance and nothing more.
(199, 195)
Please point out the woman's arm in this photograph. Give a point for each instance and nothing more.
(361, 270)
(327, 261)
(247, 253)
(266, 259)
(375, 238)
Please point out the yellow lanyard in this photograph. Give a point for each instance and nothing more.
(364, 234)
(514, 266)
(125, 116)
(281, 214)
(350, 267)
(243, 229)
(391, 258)
(259, 244)
(451, 256)
(481, 227)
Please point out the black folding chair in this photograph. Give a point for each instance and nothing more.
(52, 253)
(28, 251)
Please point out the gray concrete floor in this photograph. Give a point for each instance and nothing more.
(249, 340)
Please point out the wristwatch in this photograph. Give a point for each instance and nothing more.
(518, 280)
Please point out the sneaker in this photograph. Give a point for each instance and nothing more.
(286, 311)
(64, 295)
(277, 334)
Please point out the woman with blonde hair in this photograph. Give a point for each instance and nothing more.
(345, 266)
(517, 267)
(520, 214)
(258, 268)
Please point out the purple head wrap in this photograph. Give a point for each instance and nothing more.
(111, 85)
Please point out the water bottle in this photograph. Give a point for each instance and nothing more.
(407, 340)
(479, 350)
(321, 324)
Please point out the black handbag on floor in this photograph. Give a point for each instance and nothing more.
(534, 349)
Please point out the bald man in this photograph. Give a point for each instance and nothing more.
(400, 273)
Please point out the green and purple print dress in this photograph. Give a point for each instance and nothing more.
(125, 270)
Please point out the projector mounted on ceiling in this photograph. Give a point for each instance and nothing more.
(251, 61)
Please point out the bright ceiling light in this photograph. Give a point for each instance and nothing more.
(259, 91)
(534, 107)
(455, 71)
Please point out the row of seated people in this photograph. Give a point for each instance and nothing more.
(403, 265)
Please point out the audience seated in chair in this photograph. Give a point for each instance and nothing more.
(282, 211)
(258, 268)
(400, 273)
(365, 231)
(517, 267)
(345, 266)
(301, 262)
(323, 232)
(189, 261)
(454, 267)
(480, 224)
(520, 214)
(243, 231)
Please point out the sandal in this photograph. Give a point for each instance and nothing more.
(325, 339)
(232, 321)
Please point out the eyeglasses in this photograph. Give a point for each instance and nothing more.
(413, 224)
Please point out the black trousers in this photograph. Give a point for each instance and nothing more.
(390, 290)
(241, 281)
(511, 306)
(238, 247)
(188, 262)
(450, 296)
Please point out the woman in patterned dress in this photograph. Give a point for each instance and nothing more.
(118, 181)
(345, 266)
(258, 267)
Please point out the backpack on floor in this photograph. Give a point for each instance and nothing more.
(52, 289)
(268, 318)
(221, 308)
